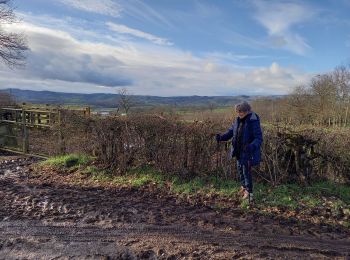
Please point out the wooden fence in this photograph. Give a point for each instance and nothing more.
(15, 123)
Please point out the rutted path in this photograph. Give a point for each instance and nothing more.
(44, 217)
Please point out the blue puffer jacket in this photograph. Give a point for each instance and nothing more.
(252, 139)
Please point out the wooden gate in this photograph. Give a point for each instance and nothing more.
(16, 122)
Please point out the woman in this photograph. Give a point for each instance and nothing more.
(246, 137)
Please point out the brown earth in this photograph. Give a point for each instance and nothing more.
(44, 216)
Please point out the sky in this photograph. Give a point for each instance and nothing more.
(178, 47)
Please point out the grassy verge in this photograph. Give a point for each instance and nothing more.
(68, 161)
(320, 200)
(147, 175)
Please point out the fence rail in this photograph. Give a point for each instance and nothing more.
(16, 122)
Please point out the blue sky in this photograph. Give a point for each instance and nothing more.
(178, 47)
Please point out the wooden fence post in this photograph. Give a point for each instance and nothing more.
(60, 134)
(25, 135)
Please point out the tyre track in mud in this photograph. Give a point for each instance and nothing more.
(226, 242)
(123, 221)
(224, 239)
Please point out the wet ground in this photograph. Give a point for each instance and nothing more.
(44, 216)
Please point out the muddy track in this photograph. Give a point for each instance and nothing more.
(41, 217)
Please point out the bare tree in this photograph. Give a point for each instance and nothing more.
(324, 90)
(211, 106)
(12, 45)
(324, 101)
(301, 104)
(341, 78)
(125, 101)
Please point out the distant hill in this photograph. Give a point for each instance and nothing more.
(101, 100)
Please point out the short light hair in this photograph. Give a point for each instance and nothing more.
(243, 107)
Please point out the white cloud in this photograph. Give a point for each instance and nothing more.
(279, 18)
(119, 28)
(105, 7)
(232, 57)
(60, 62)
(139, 10)
(56, 55)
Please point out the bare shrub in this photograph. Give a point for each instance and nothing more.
(287, 156)
(333, 161)
(189, 149)
(43, 141)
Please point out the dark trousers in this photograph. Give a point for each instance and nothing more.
(245, 174)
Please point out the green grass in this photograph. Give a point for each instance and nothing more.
(293, 196)
(68, 161)
(147, 175)
(290, 196)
